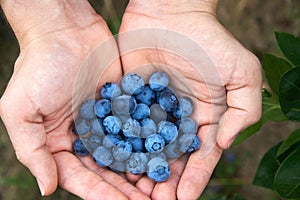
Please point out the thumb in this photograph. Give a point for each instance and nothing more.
(231, 123)
(243, 100)
(0, 108)
(32, 152)
(29, 141)
(238, 117)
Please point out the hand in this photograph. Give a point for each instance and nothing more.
(37, 104)
(224, 77)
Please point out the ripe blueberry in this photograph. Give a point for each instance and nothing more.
(110, 91)
(86, 109)
(147, 96)
(80, 147)
(102, 108)
(168, 131)
(112, 124)
(158, 170)
(124, 105)
(132, 84)
(158, 81)
(102, 156)
(142, 111)
(154, 143)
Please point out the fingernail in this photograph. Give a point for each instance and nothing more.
(40, 187)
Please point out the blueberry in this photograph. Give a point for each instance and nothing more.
(81, 126)
(189, 143)
(86, 109)
(117, 166)
(147, 96)
(158, 81)
(148, 127)
(157, 114)
(137, 163)
(137, 144)
(124, 105)
(185, 107)
(125, 131)
(112, 124)
(94, 141)
(80, 147)
(102, 108)
(132, 84)
(172, 150)
(131, 128)
(102, 156)
(97, 127)
(187, 126)
(110, 140)
(142, 111)
(167, 130)
(168, 100)
(122, 150)
(110, 91)
(158, 170)
(154, 143)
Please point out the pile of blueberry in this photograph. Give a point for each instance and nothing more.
(137, 127)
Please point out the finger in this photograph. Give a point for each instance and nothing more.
(0, 108)
(76, 178)
(167, 190)
(41, 164)
(199, 167)
(132, 177)
(146, 185)
(114, 179)
(29, 142)
(244, 103)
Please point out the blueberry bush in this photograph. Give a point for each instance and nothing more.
(279, 169)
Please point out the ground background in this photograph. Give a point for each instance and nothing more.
(253, 23)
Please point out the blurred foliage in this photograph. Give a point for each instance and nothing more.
(225, 181)
(279, 169)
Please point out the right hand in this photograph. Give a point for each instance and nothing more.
(227, 93)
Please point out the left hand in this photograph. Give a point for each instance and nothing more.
(36, 106)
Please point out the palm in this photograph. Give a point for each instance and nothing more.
(37, 109)
(208, 85)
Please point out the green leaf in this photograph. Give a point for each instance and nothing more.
(274, 68)
(290, 46)
(287, 178)
(272, 110)
(251, 130)
(289, 94)
(267, 168)
(289, 145)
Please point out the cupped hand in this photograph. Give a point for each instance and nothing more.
(37, 106)
(224, 80)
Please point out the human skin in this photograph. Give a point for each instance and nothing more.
(224, 107)
(55, 37)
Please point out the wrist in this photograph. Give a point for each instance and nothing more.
(160, 7)
(31, 19)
